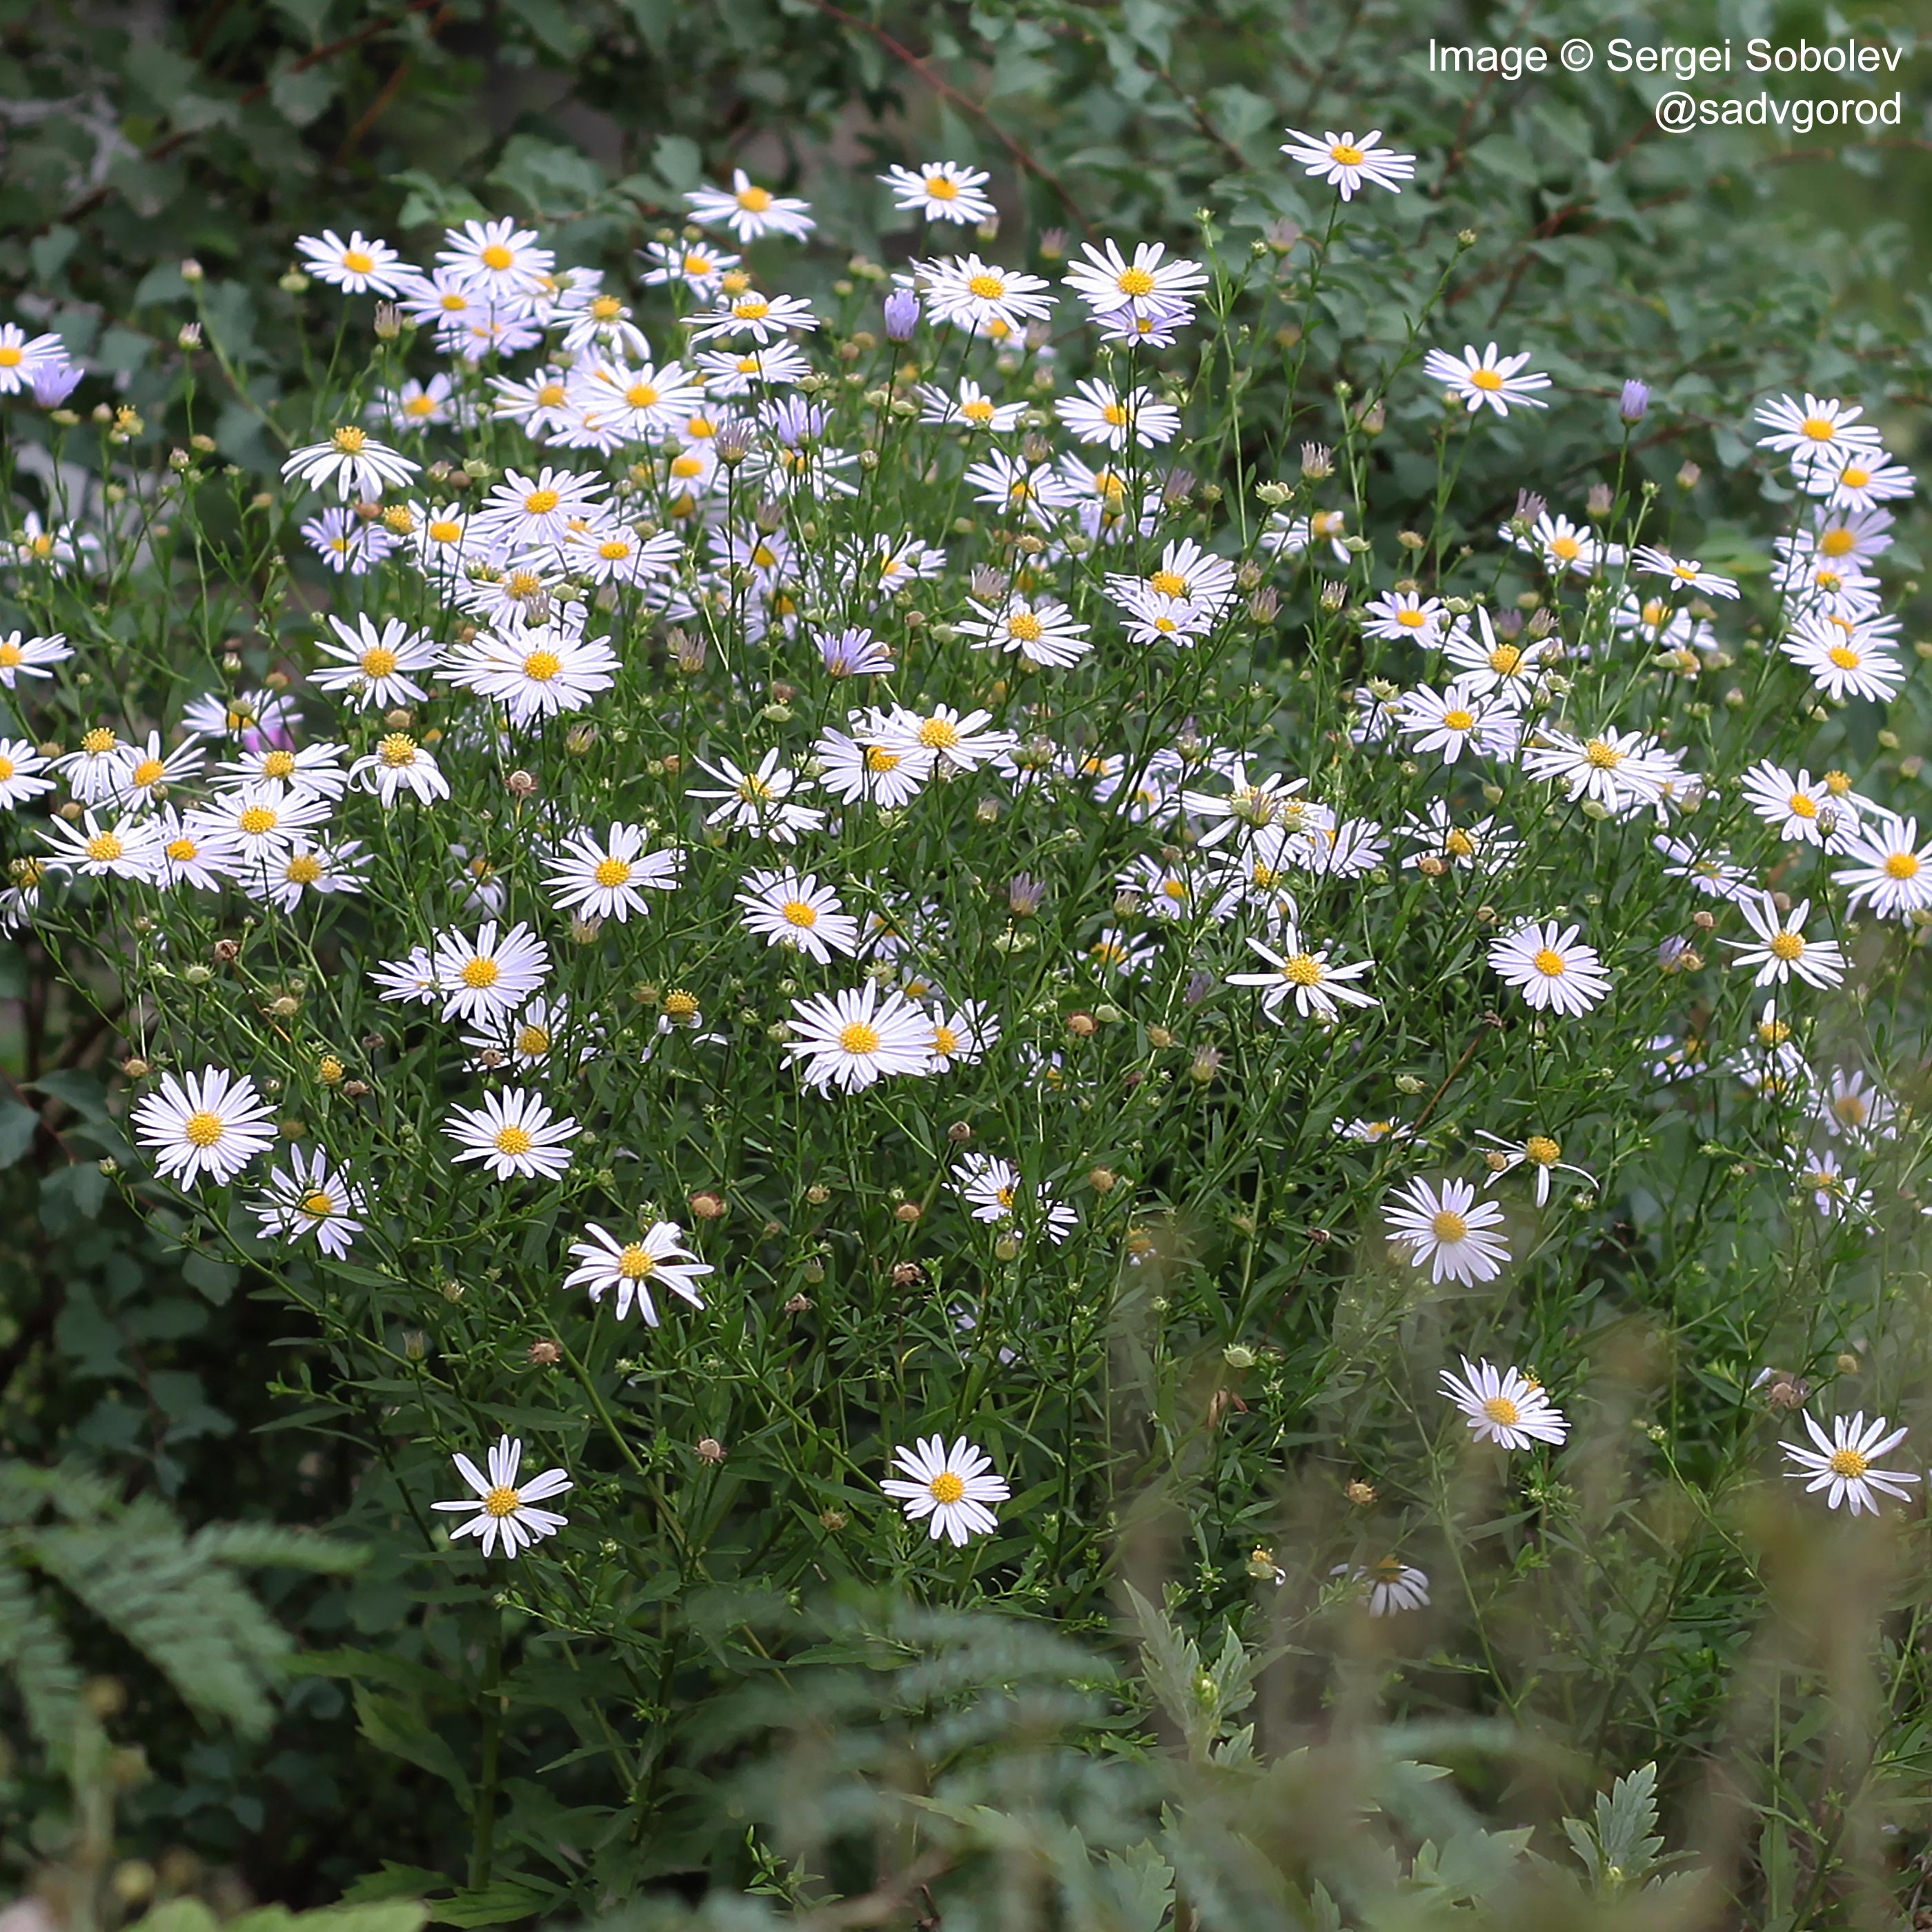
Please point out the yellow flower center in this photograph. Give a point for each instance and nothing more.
(1848, 1463)
(276, 765)
(424, 405)
(98, 740)
(532, 1041)
(1461, 844)
(502, 1501)
(753, 200)
(1565, 549)
(11, 654)
(751, 308)
(1844, 658)
(1114, 414)
(256, 819)
(1786, 946)
(497, 256)
(303, 869)
(182, 850)
(1802, 805)
(1301, 969)
(612, 873)
(1168, 583)
(378, 662)
(542, 666)
(606, 308)
(1602, 756)
(1855, 476)
(1448, 1226)
(541, 503)
(203, 1128)
(797, 913)
(1819, 429)
(987, 287)
(397, 750)
(680, 1005)
(349, 440)
(938, 734)
(1411, 620)
(514, 1140)
(445, 531)
(1837, 541)
(11, 357)
(945, 1040)
(941, 189)
(1486, 379)
(105, 846)
(317, 1203)
(635, 1262)
(1500, 1409)
(147, 772)
(1541, 1149)
(480, 972)
(1901, 865)
(1024, 626)
(696, 262)
(858, 1037)
(1459, 721)
(946, 1487)
(1135, 282)
(1549, 962)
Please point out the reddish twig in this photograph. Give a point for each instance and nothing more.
(941, 85)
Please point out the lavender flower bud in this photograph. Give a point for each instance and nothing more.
(901, 315)
(1635, 404)
(54, 382)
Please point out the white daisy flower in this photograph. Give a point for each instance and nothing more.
(371, 666)
(1388, 1585)
(1406, 616)
(1835, 1193)
(183, 856)
(311, 1197)
(759, 800)
(1622, 771)
(353, 460)
(99, 768)
(962, 1034)
(848, 1040)
(763, 318)
(1844, 660)
(502, 1510)
(22, 656)
(1346, 161)
(497, 260)
(1503, 1406)
(1711, 873)
(1854, 1107)
(1459, 718)
(1817, 431)
(866, 766)
(512, 1133)
(20, 768)
(785, 908)
(956, 740)
(1861, 481)
(358, 266)
(1800, 808)
(994, 1189)
(129, 849)
(1551, 969)
(942, 191)
(1840, 1463)
(489, 974)
(305, 870)
(212, 1123)
(749, 211)
(1782, 949)
(977, 296)
(22, 357)
(1485, 379)
(1306, 977)
(630, 1269)
(1539, 1151)
(1152, 282)
(948, 1486)
(969, 405)
(312, 771)
(1891, 871)
(1685, 574)
(1101, 414)
(541, 671)
(606, 877)
(399, 764)
(523, 1040)
(1040, 630)
(698, 265)
(1449, 1229)
(1565, 548)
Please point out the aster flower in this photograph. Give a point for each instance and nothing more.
(1685, 574)
(1041, 631)
(1305, 976)
(786, 908)
(490, 973)
(1539, 1151)
(1505, 1406)
(22, 356)
(606, 877)
(759, 800)
(1449, 1229)
(749, 211)
(1551, 969)
(1890, 872)
(127, 849)
(1840, 1464)
(947, 1487)
(542, 671)
(1487, 379)
(353, 460)
(22, 656)
(398, 764)
(370, 666)
(21, 767)
(1844, 660)
(1782, 949)
(210, 1124)
(496, 259)
(941, 191)
(514, 1132)
(975, 295)
(1152, 281)
(850, 1039)
(310, 1196)
(503, 1511)
(1388, 1585)
(630, 1269)
(1346, 161)
(1817, 430)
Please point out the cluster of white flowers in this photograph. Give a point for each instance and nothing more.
(665, 481)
